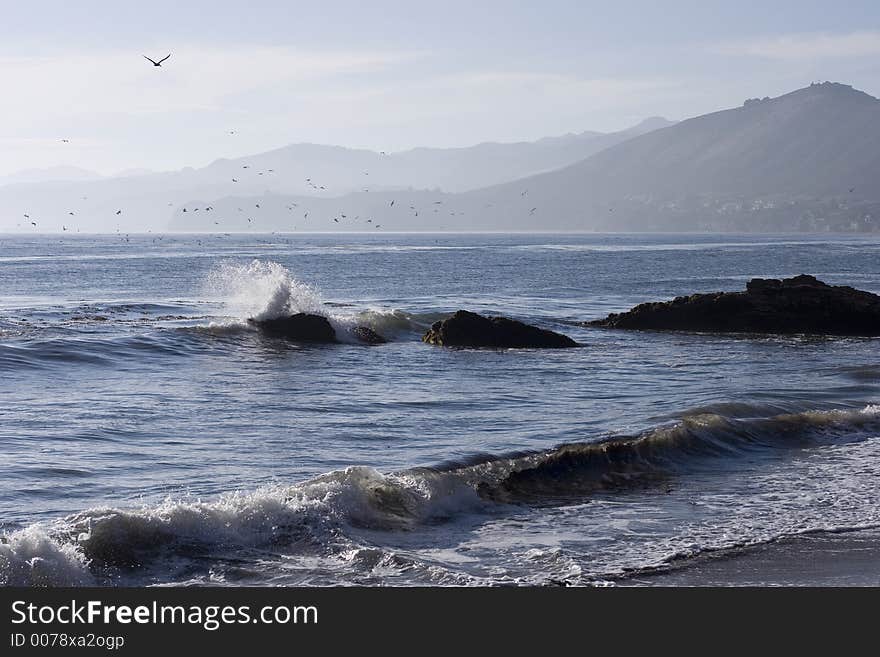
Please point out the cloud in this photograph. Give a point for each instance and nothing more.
(806, 46)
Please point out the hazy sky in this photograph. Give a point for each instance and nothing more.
(392, 75)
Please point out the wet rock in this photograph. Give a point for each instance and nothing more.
(305, 327)
(301, 327)
(467, 329)
(802, 304)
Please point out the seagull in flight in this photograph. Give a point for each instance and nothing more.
(159, 63)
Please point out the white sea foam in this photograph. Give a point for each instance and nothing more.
(304, 516)
(31, 557)
(262, 290)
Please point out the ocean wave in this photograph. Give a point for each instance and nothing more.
(86, 350)
(577, 470)
(263, 290)
(321, 516)
(96, 544)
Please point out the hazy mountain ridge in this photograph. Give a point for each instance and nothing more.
(808, 160)
(805, 161)
(306, 170)
(784, 163)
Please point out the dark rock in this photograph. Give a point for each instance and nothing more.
(367, 335)
(801, 304)
(302, 327)
(466, 329)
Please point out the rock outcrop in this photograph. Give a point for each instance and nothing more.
(306, 327)
(801, 304)
(467, 329)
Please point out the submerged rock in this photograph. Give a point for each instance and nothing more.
(467, 329)
(306, 327)
(802, 304)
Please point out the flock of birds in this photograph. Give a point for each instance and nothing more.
(338, 218)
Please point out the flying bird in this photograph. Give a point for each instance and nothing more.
(159, 63)
(119, 212)
(65, 141)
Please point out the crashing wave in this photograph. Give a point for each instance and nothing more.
(315, 516)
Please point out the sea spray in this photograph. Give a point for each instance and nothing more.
(262, 290)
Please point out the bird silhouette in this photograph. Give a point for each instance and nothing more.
(159, 63)
(119, 212)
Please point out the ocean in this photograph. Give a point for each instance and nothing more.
(150, 436)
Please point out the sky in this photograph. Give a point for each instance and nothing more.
(245, 77)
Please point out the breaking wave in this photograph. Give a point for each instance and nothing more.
(322, 516)
(263, 290)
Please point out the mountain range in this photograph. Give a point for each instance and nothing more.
(150, 199)
(808, 160)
